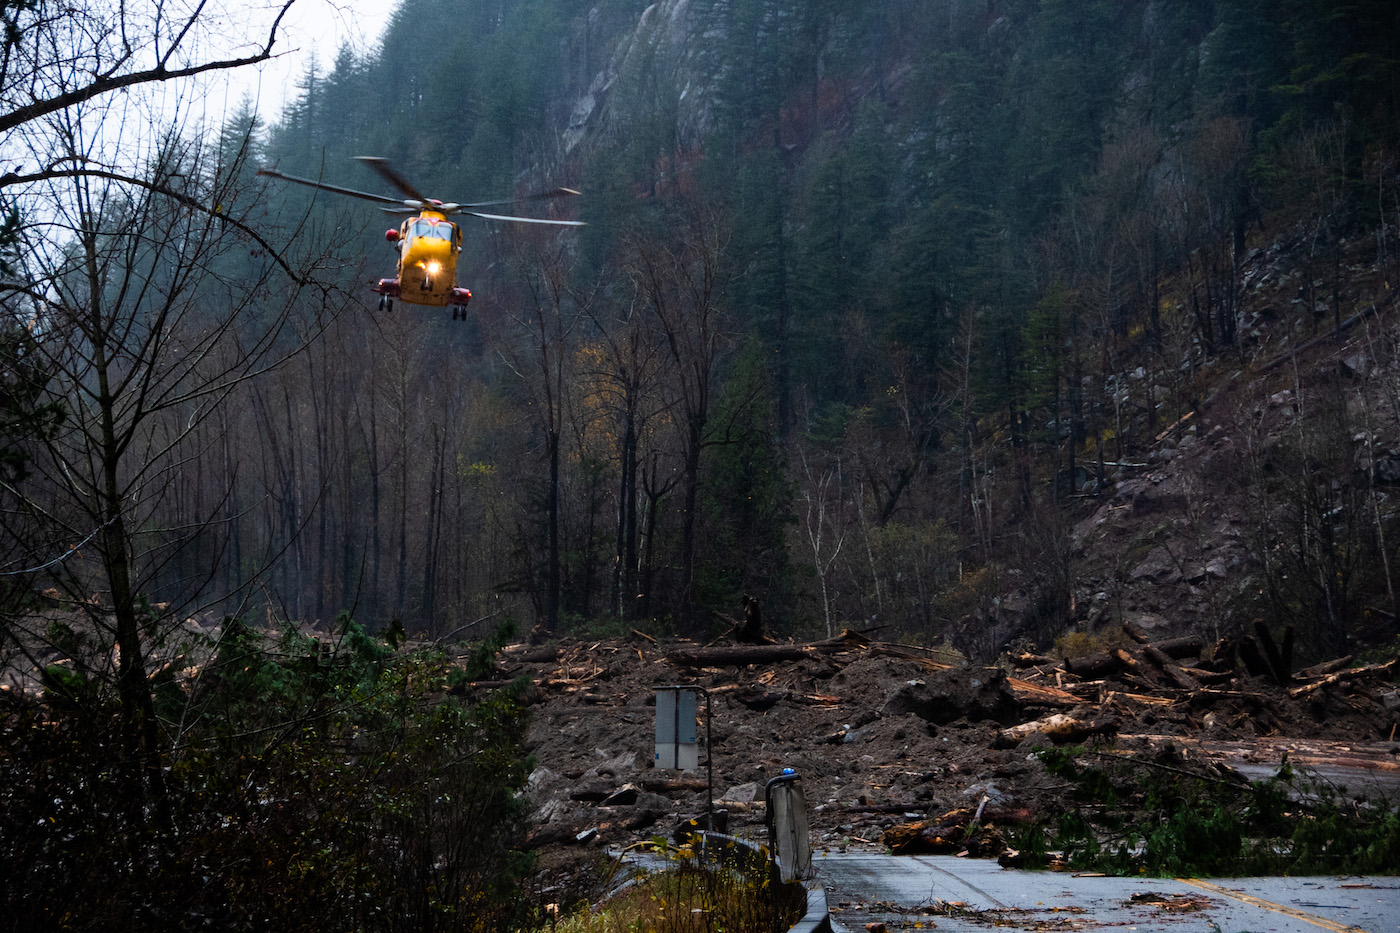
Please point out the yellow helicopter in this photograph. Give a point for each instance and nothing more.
(427, 242)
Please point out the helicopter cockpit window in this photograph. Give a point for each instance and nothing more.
(434, 231)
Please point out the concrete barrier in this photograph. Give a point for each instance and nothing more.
(817, 919)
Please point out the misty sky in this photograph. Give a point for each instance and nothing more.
(313, 27)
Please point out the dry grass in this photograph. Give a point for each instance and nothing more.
(690, 899)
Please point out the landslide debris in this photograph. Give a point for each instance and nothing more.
(898, 742)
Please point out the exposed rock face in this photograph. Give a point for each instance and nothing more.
(661, 65)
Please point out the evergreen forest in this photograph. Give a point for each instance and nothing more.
(853, 318)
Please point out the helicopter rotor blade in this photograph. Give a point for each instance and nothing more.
(387, 172)
(537, 196)
(335, 189)
(525, 220)
(416, 202)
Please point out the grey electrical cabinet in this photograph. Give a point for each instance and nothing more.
(676, 745)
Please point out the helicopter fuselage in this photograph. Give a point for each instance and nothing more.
(428, 245)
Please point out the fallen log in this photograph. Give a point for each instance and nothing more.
(927, 657)
(529, 654)
(1041, 695)
(1174, 672)
(1324, 339)
(1355, 673)
(1135, 632)
(1154, 684)
(1325, 668)
(815, 699)
(741, 655)
(1094, 666)
(672, 785)
(498, 684)
(1175, 425)
(1177, 675)
(955, 832)
(944, 835)
(1209, 677)
(1058, 728)
(1208, 696)
(738, 655)
(1113, 696)
(740, 806)
(1188, 646)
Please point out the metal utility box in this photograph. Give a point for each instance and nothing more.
(676, 745)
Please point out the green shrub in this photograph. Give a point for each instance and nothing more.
(1167, 817)
(307, 781)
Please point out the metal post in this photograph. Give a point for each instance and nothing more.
(786, 815)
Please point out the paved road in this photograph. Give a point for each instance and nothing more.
(953, 894)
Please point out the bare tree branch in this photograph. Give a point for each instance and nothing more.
(109, 81)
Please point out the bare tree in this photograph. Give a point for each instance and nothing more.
(55, 60)
(620, 382)
(825, 523)
(682, 285)
(147, 312)
(545, 369)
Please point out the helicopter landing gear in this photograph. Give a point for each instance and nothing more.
(386, 303)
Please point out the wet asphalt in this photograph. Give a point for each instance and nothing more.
(953, 895)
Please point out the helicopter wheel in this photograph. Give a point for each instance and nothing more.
(381, 302)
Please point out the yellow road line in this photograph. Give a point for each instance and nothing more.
(1270, 905)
